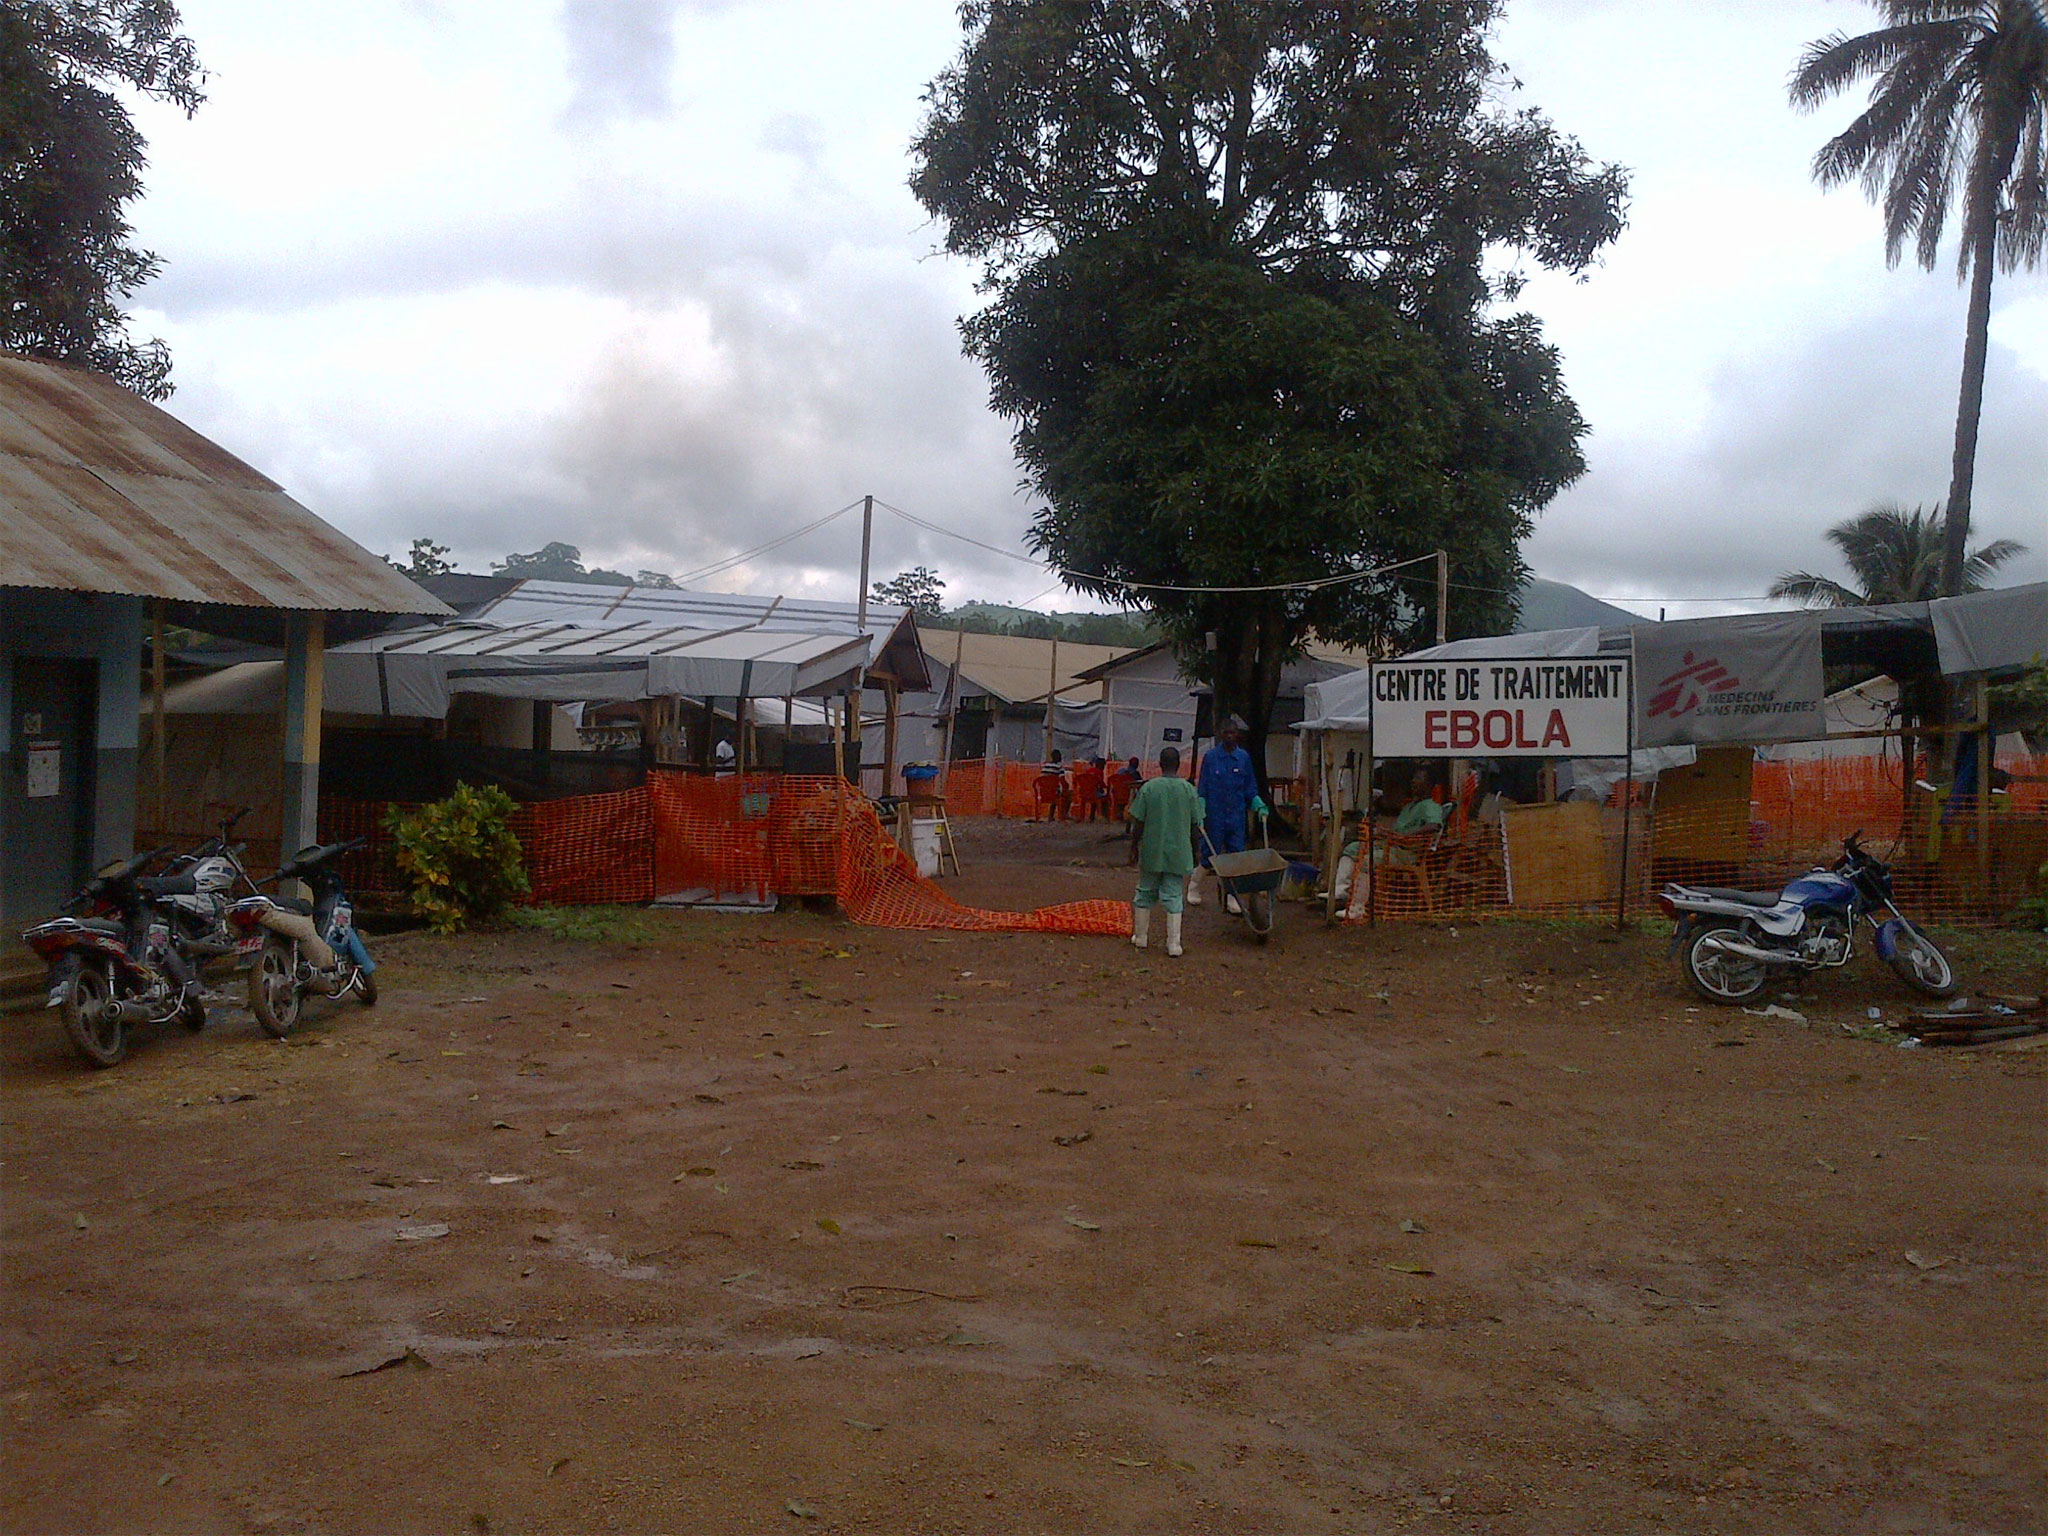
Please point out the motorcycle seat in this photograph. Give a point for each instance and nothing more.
(168, 885)
(104, 925)
(1747, 898)
(296, 904)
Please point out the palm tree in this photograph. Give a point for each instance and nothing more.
(1961, 92)
(1894, 556)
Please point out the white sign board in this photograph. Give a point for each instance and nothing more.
(1539, 706)
(45, 759)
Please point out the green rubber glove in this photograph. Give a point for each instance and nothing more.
(1259, 806)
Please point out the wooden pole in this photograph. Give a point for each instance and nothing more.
(890, 700)
(952, 709)
(1333, 830)
(1987, 745)
(852, 714)
(1443, 595)
(1627, 806)
(1052, 693)
(156, 699)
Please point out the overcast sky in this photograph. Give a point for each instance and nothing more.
(644, 275)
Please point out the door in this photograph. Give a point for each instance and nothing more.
(47, 785)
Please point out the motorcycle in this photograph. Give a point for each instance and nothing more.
(303, 946)
(1731, 943)
(199, 921)
(119, 964)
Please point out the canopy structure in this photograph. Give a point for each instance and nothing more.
(893, 655)
(1779, 653)
(407, 669)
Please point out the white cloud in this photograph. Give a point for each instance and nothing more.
(644, 275)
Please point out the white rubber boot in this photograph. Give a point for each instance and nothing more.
(1141, 926)
(1173, 934)
(1194, 896)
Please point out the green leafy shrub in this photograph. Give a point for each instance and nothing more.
(459, 858)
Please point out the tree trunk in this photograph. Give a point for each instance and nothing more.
(1250, 649)
(1970, 406)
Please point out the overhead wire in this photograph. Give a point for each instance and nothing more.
(1151, 586)
(717, 567)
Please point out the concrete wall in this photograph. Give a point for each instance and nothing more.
(107, 631)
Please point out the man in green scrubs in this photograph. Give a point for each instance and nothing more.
(1163, 815)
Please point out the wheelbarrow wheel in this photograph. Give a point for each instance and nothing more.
(1258, 911)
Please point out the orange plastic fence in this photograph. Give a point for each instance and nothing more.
(758, 836)
(1798, 814)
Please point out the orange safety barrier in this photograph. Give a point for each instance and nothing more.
(760, 835)
(1567, 860)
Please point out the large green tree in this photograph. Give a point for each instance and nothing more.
(1245, 259)
(71, 160)
(1958, 112)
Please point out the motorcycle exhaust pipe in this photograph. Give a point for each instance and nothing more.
(1751, 952)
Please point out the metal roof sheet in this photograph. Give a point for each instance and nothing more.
(100, 491)
(893, 629)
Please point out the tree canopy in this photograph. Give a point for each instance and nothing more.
(1245, 259)
(71, 160)
(557, 561)
(919, 589)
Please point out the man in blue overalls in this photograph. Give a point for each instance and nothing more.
(1230, 794)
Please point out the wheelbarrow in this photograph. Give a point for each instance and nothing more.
(1252, 877)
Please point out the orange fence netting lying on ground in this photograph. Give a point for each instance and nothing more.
(753, 837)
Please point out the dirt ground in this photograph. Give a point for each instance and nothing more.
(778, 1224)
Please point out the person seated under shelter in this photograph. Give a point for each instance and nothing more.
(1088, 802)
(1123, 783)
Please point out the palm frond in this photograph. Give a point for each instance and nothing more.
(1814, 591)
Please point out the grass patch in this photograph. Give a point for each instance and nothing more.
(1998, 950)
(591, 925)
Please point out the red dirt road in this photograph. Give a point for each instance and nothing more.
(777, 1224)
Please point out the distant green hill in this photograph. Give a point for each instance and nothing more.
(1557, 605)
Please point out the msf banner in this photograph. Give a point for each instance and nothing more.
(1754, 677)
(1549, 706)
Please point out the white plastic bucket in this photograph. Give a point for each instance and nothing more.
(924, 847)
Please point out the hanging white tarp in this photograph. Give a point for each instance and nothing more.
(1991, 631)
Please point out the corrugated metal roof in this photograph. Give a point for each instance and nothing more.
(100, 491)
(892, 629)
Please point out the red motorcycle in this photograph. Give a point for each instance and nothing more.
(117, 965)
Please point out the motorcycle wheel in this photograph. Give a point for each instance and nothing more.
(1720, 977)
(366, 988)
(99, 1039)
(1921, 965)
(274, 994)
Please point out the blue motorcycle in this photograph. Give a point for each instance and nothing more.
(1731, 944)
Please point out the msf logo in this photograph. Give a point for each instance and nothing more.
(1680, 693)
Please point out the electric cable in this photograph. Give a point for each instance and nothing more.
(719, 566)
(1150, 586)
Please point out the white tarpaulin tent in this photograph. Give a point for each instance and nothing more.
(618, 661)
